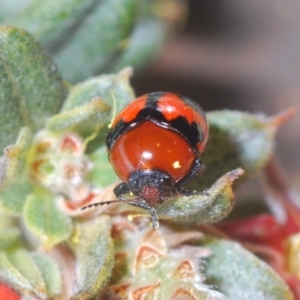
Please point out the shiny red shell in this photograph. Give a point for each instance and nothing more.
(158, 131)
(171, 106)
(148, 147)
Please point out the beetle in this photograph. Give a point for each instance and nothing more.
(154, 146)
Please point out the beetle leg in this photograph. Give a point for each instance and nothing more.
(196, 168)
(120, 190)
(154, 218)
(144, 205)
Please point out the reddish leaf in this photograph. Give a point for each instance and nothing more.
(7, 293)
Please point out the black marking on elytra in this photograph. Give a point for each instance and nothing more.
(152, 100)
(189, 131)
(180, 124)
(115, 133)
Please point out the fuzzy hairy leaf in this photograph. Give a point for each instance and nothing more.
(102, 174)
(50, 273)
(9, 237)
(31, 88)
(171, 286)
(238, 139)
(43, 218)
(51, 21)
(99, 33)
(240, 275)
(98, 39)
(95, 257)
(34, 275)
(206, 207)
(83, 119)
(20, 270)
(105, 87)
(16, 154)
(13, 196)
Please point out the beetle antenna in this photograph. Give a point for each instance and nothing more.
(100, 203)
(154, 218)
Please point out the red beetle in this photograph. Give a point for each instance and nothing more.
(154, 146)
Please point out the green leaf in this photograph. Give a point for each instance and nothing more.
(113, 89)
(50, 273)
(141, 51)
(98, 39)
(156, 20)
(16, 154)
(31, 88)
(237, 139)
(13, 196)
(240, 275)
(106, 87)
(43, 218)
(6, 221)
(95, 257)
(19, 269)
(10, 234)
(102, 174)
(32, 274)
(209, 206)
(51, 21)
(83, 120)
(9, 237)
